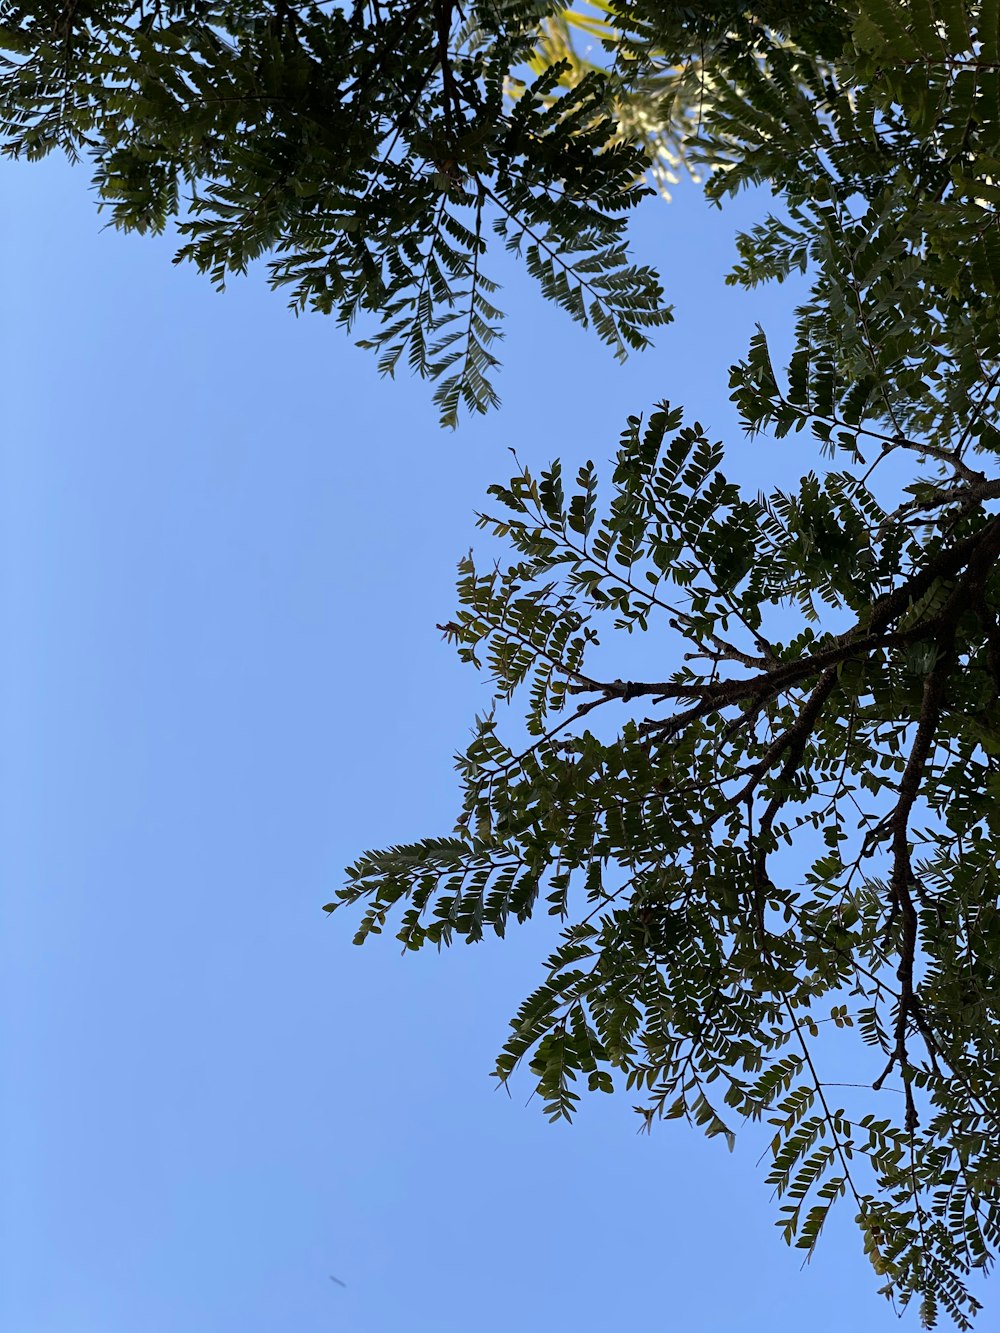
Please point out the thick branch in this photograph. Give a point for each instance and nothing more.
(977, 552)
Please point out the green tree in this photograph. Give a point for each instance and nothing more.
(839, 686)
(838, 693)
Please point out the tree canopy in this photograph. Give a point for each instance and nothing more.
(837, 698)
(837, 693)
(369, 150)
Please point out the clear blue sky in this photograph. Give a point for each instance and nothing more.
(225, 545)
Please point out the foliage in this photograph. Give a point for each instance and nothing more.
(654, 106)
(367, 151)
(838, 694)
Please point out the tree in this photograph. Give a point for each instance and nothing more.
(839, 691)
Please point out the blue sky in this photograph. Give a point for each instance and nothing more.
(225, 545)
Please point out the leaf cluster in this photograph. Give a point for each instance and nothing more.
(359, 150)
